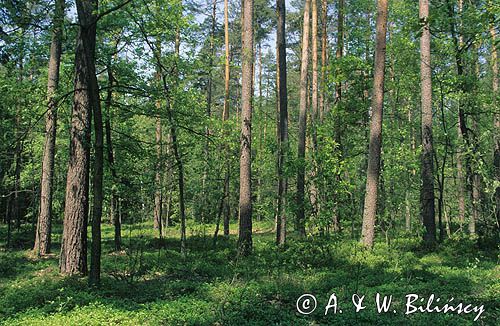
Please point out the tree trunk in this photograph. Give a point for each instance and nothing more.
(324, 64)
(114, 200)
(375, 145)
(95, 257)
(159, 157)
(282, 122)
(43, 228)
(245, 200)
(340, 45)
(225, 116)
(300, 219)
(427, 172)
(460, 174)
(314, 111)
(73, 259)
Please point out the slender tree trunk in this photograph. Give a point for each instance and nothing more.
(314, 111)
(300, 219)
(282, 122)
(43, 228)
(324, 64)
(73, 259)
(460, 174)
(375, 145)
(175, 148)
(159, 157)
(245, 201)
(427, 172)
(114, 200)
(225, 116)
(340, 45)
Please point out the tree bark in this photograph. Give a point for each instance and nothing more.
(300, 219)
(427, 169)
(245, 200)
(44, 225)
(73, 259)
(282, 122)
(375, 145)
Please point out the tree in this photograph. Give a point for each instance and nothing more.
(43, 229)
(245, 201)
(73, 259)
(375, 145)
(427, 168)
(282, 122)
(300, 219)
(324, 52)
(225, 114)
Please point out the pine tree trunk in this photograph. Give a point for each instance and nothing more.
(427, 169)
(245, 200)
(324, 64)
(282, 122)
(300, 219)
(73, 259)
(43, 228)
(375, 145)
(225, 116)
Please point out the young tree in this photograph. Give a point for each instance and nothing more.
(427, 168)
(245, 201)
(43, 227)
(73, 259)
(225, 114)
(300, 221)
(282, 122)
(375, 144)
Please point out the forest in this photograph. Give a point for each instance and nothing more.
(252, 162)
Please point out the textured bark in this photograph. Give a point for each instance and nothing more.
(245, 200)
(282, 122)
(98, 170)
(73, 259)
(300, 219)
(496, 119)
(375, 145)
(43, 228)
(427, 169)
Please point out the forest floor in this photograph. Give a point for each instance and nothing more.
(150, 283)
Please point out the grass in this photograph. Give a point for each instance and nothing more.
(150, 283)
